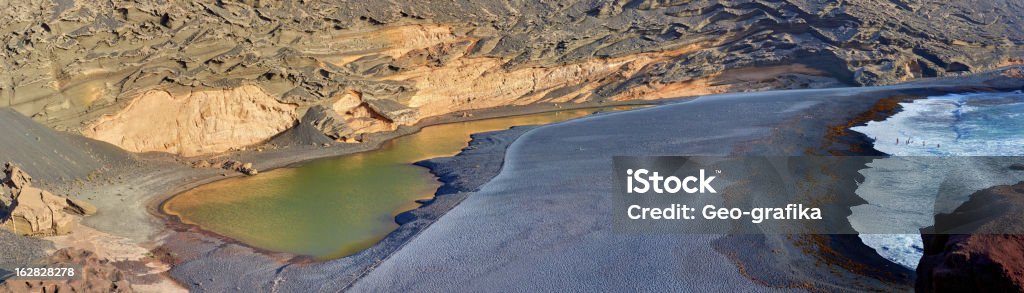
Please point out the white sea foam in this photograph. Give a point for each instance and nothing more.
(903, 249)
(901, 191)
(983, 124)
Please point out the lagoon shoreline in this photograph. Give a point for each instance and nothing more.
(203, 261)
(802, 133)
(343, 273)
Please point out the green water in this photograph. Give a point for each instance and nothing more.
(334, 207)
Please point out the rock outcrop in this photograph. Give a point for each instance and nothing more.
(230, 165)
(347, 119)
(328, 122)
(244, 168)
(28, 210)
(195, 123)
(990, 258)
(101, 67)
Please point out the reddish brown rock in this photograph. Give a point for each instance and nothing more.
(991, 259)
(966, 263)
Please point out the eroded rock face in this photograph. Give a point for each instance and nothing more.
(84, 66)
(347, 119)
(327, 121)
(987, 260)
(38, 212)
(195, 123)
(28, 210)
(1014, 73)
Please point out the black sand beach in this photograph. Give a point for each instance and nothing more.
(451, 252)
(548, 226)
(227, 146)
(553, 224)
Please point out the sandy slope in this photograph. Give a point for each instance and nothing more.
(49, 155)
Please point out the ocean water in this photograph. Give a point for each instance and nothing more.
(940, 154)
(982, 124)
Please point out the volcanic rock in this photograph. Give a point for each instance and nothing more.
(244, 168)
(173, 76)
(986, 251)
(1014, 73)
(80, 207)
(329, 122)
(201, 164)
(34, 211)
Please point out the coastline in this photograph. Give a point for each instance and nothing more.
(393, 240)
(847, 251)
(512, 146)
(410, 259)
(129, 192)
(485, 153)
(294, 157)
(841, 250)
(276, 266)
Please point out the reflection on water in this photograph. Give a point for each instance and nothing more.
(334, 207)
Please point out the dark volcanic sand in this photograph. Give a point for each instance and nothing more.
(543, 222)
(466, 250)
(528, 240)
(242, 267)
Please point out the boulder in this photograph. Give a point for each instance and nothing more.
(15, 176)
(34, 211)
(201, 164)
(80, 207)
(39, 212)
(244, 168)
(1014, 73)
(327, 121)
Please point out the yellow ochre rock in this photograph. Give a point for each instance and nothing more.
(33, 211)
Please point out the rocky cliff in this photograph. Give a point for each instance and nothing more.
(209, 121)
(990, 259)
(103, 67)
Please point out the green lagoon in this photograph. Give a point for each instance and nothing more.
(334, 207)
